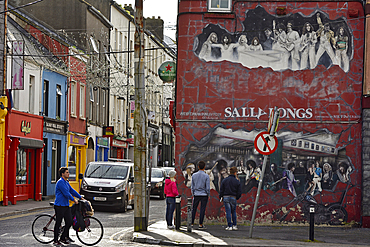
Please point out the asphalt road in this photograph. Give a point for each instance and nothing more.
(118, 227)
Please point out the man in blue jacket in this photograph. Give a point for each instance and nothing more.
(230, 192)
(63, 194)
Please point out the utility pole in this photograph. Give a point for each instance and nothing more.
(3, 30)
(140, 125)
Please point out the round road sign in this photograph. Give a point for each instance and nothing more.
(265, 144)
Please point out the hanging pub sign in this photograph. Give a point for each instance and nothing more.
(167, 71)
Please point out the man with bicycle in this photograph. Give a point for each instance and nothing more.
(63, 194)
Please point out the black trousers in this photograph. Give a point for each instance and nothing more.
(203, 204)
(62, 212)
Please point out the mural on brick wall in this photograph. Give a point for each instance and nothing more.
(309, 64)
(293, 41)
(305, 164)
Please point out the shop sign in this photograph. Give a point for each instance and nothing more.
(167, 71)
(77, 140)
(26, 127)
(108, 130)
(130, 140)
(103, 141)
(54, 127)
(121, 144)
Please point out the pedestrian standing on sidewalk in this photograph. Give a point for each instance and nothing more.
(230, 192)
(63, 194)
(200, 188)
(170, 189)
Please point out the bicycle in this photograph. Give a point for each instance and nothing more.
(43, 229)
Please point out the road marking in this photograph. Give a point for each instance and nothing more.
(120, 232)
(22, 215)
(4, 234)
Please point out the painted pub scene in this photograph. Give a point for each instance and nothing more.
(306, 58)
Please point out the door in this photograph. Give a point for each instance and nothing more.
(25, 176)
(74, 166)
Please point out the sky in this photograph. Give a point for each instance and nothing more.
(166, 9)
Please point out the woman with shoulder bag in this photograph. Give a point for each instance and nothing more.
(170, 189)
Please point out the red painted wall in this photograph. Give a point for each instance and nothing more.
(329, 97)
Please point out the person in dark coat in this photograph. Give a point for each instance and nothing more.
(230, 192)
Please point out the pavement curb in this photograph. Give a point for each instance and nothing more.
(159, 242)
(24, 211)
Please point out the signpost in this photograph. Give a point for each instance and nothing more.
(265, 143)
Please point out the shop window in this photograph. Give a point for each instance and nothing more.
(219, 5)
(72, 158)
(100, 152)
(55, 160)
(21, 173)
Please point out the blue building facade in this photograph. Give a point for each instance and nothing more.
(54, 102)
(102, 149)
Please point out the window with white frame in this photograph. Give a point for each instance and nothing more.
(97, 105)
(219, 5)
(73, 98)
(46, 98)
(82, 101)
(91, 106)
(58, 105)
(55, 161)
(103, 106)
(31, 95)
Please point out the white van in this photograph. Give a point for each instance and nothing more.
(109, 184)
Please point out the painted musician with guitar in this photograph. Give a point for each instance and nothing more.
(273, 179)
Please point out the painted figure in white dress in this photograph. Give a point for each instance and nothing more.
(227, 48)
(292, 45)
(326, 40)
(307, 49)
(279, 44)
(206, 51)
(341, 47)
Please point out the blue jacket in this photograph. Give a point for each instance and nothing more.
(64, 193)
(230, 186)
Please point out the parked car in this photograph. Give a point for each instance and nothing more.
(109, 184)
(167, 170)
(158, 178)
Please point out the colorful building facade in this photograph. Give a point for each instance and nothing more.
(23, 157)
(235, 66)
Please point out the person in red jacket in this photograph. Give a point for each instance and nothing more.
(170, 189)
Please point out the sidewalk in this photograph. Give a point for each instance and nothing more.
(216, 235)
(24, 207)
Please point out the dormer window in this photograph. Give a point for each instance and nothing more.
(219, 5)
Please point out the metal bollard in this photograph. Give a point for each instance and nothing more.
(178, 213)
(312, 222)
(189, 206)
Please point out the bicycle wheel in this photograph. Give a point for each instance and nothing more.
(43, 228)
(93, 232)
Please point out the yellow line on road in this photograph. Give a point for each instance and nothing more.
(21, 215)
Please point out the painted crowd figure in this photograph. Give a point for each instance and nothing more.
(283, 47)
(312, 177)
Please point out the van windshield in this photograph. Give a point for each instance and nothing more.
(106, 171)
